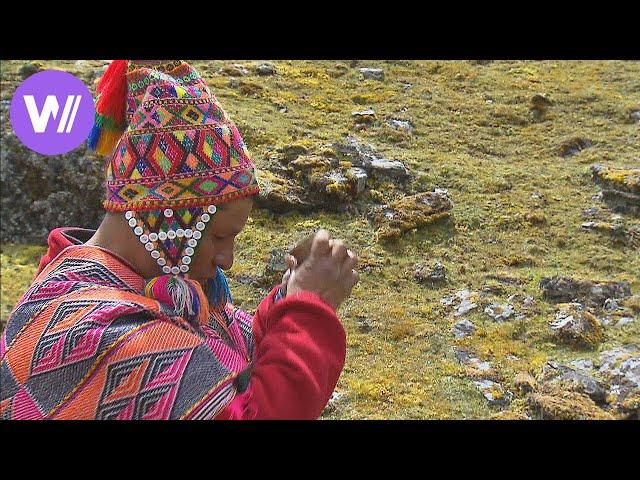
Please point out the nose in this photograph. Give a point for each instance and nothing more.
(224, 259)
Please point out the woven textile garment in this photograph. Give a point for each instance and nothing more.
(80, 357)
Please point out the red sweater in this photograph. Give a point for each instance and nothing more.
(299, 350)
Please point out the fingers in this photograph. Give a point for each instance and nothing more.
(352, 279)
(338, 251)
(350, 262)
(320, 245)
(290, 261)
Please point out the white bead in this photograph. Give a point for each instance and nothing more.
(180, 233)
(162, 236)
(132, 222)
(153, 236)
(175, 270)
(188, 233)
(128, 214)
(144, 239)
(188, 251)
(168, 212)
(184, 268)
(200, 226)
(155, 254)
(166, 269)
(161, 261)
(171, 234)
(148, 246)
(138, 230)
(192, 242)
(186, 260)
(197, 235)
(211, 209)
(205, 217)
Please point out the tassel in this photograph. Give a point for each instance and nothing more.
(218, 291)
(111, 108)
(185, 296)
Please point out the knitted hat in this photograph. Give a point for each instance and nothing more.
(174, 155)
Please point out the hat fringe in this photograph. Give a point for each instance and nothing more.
(111, 106)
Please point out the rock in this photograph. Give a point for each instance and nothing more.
(625, 321)
(539, 106)
(575, 326)
(524, 382)
(573, 146)
(463, 328)
(336, 400)
(364, 324)
(575, 380)
(633, 114)
(265, 69)
(528, 302)
(365, 156)
(619, 231)
(620, 187)
(509, 415)
(372, 73)
(281, 195)
(465, 307)
(592, 294)
(553, 403)
(333, 187)
(621, 367)
(275, 267)
(469, 359)
(430, 275)
(29, 69)
(582, 364)
(591, 212)
(404, 125)
(611, 304)
(235, 70)
(359, 175)
(291, 152)
(411, 212)
(40, 193)
(364, 117)
(393, 169)
(498, 312)
(495, 393)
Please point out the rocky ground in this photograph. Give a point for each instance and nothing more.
(495, 207)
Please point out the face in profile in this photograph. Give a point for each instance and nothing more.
(215, 249)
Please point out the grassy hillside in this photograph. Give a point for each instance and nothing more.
(480, 132)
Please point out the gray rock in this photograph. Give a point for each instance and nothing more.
(499, 312)
(576, 380)
(275, 267)
(573, 146)
(360, 176)
(265, 69)
(625, 321)
(431, 276)
(364, 116)
(493, 392)
(336, 400)
(611, 304)
(29, 69)
(470, 360)
(372, 73)
(465, 307)
(620, 187)
(404, 125)
(389, 168)
(591, 212)
(582, 364)
(593, 294)
(574, 325)
(364, 324)
(463, 328)
(365, 156)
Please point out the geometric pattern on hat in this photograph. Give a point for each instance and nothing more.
(171, 236)
(180, 148)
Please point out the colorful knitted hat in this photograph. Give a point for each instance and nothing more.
(174, 155)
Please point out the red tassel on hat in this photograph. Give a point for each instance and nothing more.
(111, 108)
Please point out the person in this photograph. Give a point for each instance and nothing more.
(135, 320)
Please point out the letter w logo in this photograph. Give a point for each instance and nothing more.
(40, 120)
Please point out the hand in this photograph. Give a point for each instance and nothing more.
(329, 270)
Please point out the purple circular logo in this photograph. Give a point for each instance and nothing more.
(52, 112)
